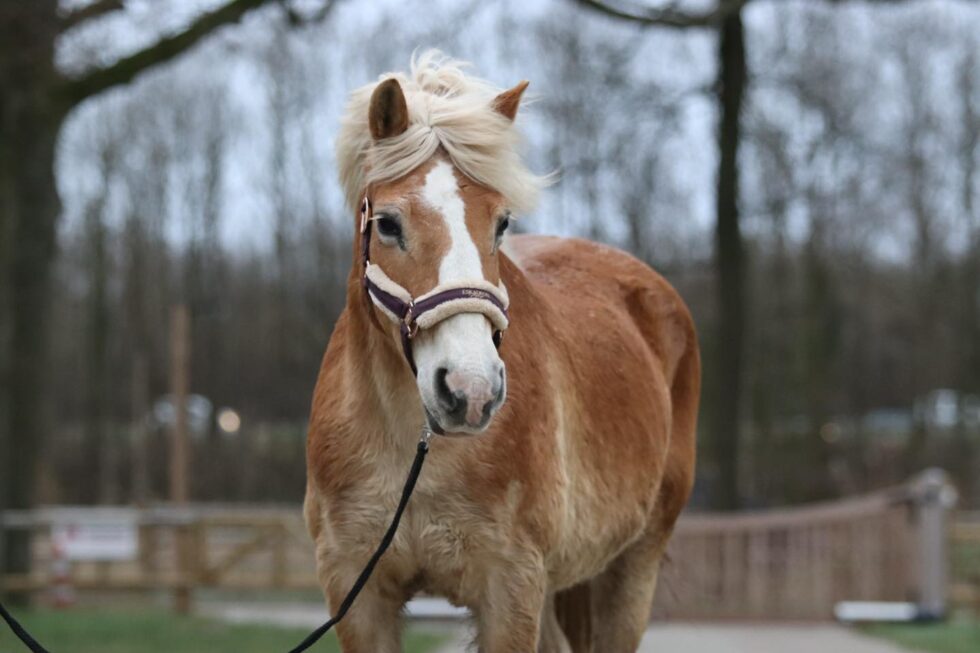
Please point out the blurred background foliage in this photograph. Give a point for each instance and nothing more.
(208, 180)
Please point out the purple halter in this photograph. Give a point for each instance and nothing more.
(425, 311)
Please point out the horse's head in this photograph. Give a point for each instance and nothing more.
(433, 228)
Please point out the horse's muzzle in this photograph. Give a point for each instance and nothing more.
(467, 402)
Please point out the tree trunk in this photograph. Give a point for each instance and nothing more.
(729, 337)
(29, 123)
(34, 100)
(99, 444)
(821, 343)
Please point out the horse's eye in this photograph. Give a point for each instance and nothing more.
(502, 227)
(389, 227)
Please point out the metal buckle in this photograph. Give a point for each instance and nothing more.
(365, 209)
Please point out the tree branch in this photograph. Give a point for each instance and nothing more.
(297, 19)
(667, 16)
(88, 12)
(123, 71)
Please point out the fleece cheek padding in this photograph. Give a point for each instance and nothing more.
(468, 305)
(429, 317)
(500, 292)
(381, 280)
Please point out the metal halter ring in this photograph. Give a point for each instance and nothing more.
(410, 323)
(365, 209)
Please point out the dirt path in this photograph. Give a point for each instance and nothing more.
(757, 638)
(661, 638)
(761, 638)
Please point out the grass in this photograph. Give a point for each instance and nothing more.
(92, 630)
(951, 637)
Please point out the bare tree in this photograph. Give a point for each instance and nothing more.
(35, 98)
(727, 342)
(968, 318)
(969, 91)
(99, 330)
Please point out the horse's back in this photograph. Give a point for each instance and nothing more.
(578, 274)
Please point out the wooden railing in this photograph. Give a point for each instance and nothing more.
(965, 562)
(181, 550)
(799, 563)
(794, 564)
(785, 564)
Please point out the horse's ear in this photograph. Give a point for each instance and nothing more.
(507, 102)
(388, 115)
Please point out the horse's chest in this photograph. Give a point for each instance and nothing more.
(441, 545)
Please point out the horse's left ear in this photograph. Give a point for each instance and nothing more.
(507, 102)
(388, 113)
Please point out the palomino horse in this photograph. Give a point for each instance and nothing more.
(550, 519)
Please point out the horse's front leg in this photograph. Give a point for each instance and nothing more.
(509, 615)
(373, 623)
(371, 626)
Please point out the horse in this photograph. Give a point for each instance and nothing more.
(564, 375)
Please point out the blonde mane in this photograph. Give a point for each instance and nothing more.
(447, 109)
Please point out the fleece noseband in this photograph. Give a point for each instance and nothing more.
(428, 310)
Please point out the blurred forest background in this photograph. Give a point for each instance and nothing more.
(805, 172)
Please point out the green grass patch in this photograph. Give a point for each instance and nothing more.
(952, 637)
(93, 630)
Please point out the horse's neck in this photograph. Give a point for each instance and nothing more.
(377, 373)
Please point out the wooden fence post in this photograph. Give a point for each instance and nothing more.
(179, 382)
(280, 559)
(180, 450)
(139, 406)
(182, 590)
(934, 496)
(191, 543)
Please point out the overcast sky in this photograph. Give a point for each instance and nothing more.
(362, 39)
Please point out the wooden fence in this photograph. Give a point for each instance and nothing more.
(179, 549)
(794, 564)
(965, 562)
(786, 564)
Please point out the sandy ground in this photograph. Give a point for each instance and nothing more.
(761, 638)
(757, 638)
(660, 638)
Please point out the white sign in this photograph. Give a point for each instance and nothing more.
(96, 537)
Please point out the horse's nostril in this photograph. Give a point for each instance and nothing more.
(459, 402)
(447, 397)
(488, 407)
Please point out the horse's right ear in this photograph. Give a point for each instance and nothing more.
(507, 102)
(388, 115)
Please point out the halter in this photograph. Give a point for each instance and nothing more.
(428, 310)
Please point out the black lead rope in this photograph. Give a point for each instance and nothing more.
(22, 634)
(348, 601)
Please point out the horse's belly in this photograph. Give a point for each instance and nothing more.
(593, 540)
(609, 494)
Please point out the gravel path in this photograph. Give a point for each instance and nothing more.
(661, 638)
(757, 638)
(761, 638)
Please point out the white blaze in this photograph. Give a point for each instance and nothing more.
(441, 192)
(461, 344)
